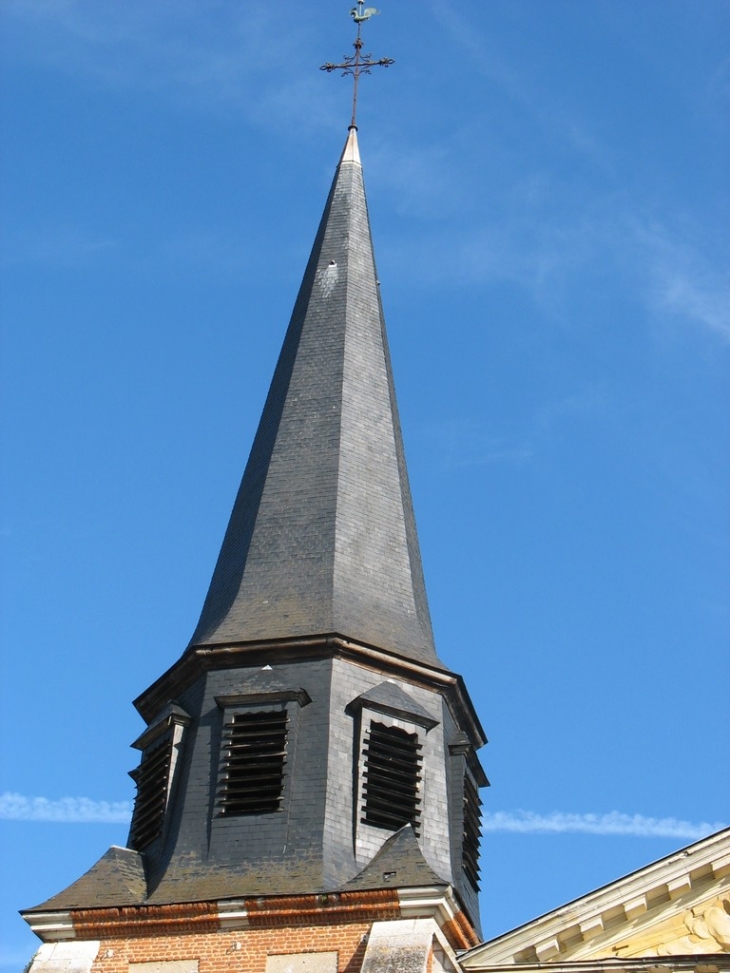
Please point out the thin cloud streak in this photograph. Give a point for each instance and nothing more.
(212, 64)
(56, 247)
(66, 810)
(464, 443)
(557, 259)
(521, 86)
(614, 823)
(684, 281)
(84, 810)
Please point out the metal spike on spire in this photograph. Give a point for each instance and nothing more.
(358, 63)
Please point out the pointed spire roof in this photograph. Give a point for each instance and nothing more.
(322, 537)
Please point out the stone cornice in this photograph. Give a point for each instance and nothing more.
(51, 926)
(565, 930)
(145, 920)
(199, 660)
(229, 915)
(715, 963)
(440, 904)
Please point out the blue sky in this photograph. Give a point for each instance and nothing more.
(549, 199)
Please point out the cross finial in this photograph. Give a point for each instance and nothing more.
(358, 63)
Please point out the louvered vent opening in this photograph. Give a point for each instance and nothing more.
(472, 831)
(254, 753)
(152, 778)
(391, 778)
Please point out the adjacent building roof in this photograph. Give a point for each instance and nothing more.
(676, 907)
(322, 538)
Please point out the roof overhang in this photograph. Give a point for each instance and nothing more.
(199, 660)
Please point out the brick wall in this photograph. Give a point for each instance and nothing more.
(242, 951)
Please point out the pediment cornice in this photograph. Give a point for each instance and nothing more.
(668, 899)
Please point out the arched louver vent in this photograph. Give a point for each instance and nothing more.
(152, 778)
(472, 831)
(392, 777)
(254, 753)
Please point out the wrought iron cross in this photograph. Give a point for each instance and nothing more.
(358, 63)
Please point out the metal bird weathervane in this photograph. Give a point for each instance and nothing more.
(358, 63)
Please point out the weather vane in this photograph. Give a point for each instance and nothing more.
(358, 63)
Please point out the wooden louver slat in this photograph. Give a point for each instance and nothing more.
(152, 778)
(392, 775)
(472, 831)
(253, 758)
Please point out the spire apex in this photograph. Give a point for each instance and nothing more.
(351, 152)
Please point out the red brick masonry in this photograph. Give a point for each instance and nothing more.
(273, 925)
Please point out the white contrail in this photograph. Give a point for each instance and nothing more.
(66, 810)
(83, 810)
(615, 823)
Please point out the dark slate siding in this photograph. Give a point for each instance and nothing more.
(322, 537)
(281, 852)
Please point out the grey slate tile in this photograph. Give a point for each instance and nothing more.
(322, 536)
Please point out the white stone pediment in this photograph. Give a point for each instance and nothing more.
(688, 926)
(679, 906)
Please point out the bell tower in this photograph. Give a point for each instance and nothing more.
(308, 780)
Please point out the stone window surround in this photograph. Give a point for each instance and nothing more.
(368, 838)
(242, 703)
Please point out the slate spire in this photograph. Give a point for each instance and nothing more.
(309, 741)
(322, 537)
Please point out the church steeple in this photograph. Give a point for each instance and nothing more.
(308, 751)
(322, 537)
